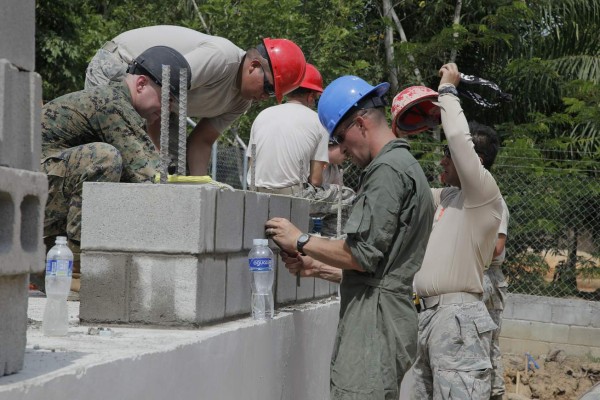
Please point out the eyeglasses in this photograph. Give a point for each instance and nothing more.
(267, 86)
(447, 151)
(341, 136)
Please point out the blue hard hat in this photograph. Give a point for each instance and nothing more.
(343, 94)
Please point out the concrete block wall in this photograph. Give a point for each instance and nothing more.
(538, 324)
(23, 191)
(177, 254)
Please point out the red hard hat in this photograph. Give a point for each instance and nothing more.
(414, 111)
(287, 65)
(312, 79)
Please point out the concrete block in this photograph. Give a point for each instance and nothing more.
(531, 330)
(585, 336)
(20, 116)
(210, 301)
(17, 26)
(148, 218)
(256, 213)
(104, 292)
(531, 309)
(595, 310)
(306, 290)
(285, 292)
(321, 288)
(14, 294)
(238, 291)
(572, 312)
(163, 289)
(299, 213)
(279, 206)
(229, 228)
(22, 201)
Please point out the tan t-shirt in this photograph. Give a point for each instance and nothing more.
(214, 61)
(466, 220)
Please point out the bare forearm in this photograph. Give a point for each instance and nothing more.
(199, 147)
(334, 253)
(329, 273)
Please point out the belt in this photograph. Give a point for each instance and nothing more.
(290, 190)
(449, 298)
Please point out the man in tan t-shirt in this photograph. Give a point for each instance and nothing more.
(455, 329)
(225, 79)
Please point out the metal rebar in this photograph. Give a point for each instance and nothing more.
(253, 174)
(182, 148)
(164, 123)
(338, 228)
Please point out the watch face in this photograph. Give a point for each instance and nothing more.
(303, 238)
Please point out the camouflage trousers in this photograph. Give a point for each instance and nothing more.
(453, 353)
(494, 294)
(94, 162)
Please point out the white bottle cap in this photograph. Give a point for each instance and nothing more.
(61, 240)
(260, 242)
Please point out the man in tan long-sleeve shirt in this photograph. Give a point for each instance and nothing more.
(455, 328)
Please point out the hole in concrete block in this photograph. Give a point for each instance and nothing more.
(30, 223)
(7, 221)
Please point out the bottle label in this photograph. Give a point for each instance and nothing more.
(59, 268)
(260, 264)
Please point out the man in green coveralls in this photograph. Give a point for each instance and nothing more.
(99, 135)
(387, 233)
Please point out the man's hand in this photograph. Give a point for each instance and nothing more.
(449, 74)
(283, 233)
(304, 265)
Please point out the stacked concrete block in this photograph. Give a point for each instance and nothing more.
(23, 191)
(177, 254)
(22, 199)
(539, 324)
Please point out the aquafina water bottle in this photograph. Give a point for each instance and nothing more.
(59, 269)
(260, 260)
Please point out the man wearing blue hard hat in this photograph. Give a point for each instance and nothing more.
(387, 233)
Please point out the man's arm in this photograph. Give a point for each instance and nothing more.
(308, 267)
(316, 172)
(199, 147)
(500, 243)
(331, 252)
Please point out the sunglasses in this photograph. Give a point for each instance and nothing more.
(267, 86)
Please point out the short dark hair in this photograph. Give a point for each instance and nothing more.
(486, 142)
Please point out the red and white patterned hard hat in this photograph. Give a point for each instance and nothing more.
(414, 111)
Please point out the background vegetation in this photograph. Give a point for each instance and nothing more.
(546, 53)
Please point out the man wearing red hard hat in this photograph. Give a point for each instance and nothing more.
(225, 79)
(290, 142)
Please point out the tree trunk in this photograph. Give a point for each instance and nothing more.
(389, 48)
(455, 21)
(403, 39)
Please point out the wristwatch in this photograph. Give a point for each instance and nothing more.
(448, 89)
(301, 242)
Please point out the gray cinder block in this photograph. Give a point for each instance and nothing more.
(104, 293)
(17, 28)
(20, 116)
(279, 206)
(229, 229)
(22, 201)
(299, 215)
(238, 295)
(285, 292)
(256, 213)
(13, 322)
(148, 218)
(321, 288)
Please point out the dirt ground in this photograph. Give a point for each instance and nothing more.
(558, 377)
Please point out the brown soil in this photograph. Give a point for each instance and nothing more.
(559, 376)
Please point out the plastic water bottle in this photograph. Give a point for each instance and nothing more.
(59, 269)
(260, 260)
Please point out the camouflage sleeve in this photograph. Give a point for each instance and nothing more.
(122, 127)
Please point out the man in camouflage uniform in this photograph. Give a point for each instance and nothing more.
(494, 293)
(98, 135)
(455, 328)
